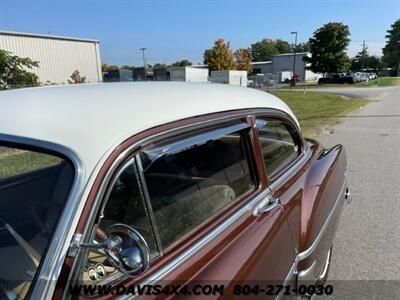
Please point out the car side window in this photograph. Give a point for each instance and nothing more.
(125, 204)
(34, 189)
(277, 145)
(191, 180)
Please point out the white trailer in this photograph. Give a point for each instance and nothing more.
(229, 77)
(188, 74)
(285, 76)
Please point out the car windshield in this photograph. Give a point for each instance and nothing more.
(34, 187)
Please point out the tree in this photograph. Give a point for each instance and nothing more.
(263, 50)
(242, 59)
(364, 61)
(159, 66)
(13, 70)
(301, 47)
(127, 67)
(359, 61)
(206, 56)
(107, 68)
(391, 51)
(283, 46)
(328, 49)
(220, 57)
(182, 63)
(77, 78)
(374, 62)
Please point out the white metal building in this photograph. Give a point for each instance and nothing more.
(284, 62)
(281, 67)
(58, 56)
(188, 74)
(262, 67)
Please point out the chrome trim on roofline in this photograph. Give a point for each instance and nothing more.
(54, 258)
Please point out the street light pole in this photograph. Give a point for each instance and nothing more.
(144, 62)
(294, 56)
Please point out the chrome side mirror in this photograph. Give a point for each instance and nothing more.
(127, 249)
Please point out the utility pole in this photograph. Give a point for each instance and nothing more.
(363, 52)
(294, 56)
(144, 63)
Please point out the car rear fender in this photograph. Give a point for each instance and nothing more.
(323, 198)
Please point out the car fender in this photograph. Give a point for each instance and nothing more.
(323, 195)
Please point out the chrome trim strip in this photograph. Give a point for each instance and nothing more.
(55, 254)
(326, 265)
(308, 252)
(311, 249)
(149, 207)
(112, 184)
(172, 147)
(292, 272)
(308, 274)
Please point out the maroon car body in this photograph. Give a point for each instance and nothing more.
(234, 198)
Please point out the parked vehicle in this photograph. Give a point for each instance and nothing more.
(331, 78)
(372, 76)
(123, 184)
(351, 77)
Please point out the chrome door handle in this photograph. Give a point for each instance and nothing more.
(269, 203)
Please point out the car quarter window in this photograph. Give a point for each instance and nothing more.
(278, 147)
(34, 188)
(191, 179)
(125, 204)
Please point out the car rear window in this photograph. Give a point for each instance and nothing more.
(34, 187)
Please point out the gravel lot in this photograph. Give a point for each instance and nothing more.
(366, 254)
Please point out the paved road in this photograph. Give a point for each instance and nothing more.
(367, 244)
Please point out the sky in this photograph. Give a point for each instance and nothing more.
(175, 30)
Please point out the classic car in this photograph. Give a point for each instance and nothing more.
(126, 184)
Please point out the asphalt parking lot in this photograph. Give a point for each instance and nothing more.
(366, 254)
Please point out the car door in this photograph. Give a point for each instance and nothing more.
(200, 199)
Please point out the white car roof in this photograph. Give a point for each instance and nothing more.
(91, 119)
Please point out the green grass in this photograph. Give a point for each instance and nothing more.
(381, 81)
(318, 111)
(378, 82)
(14, 162)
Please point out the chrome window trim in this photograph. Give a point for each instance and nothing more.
(163, 135)
(55, 254)
(148, 206)
(74, 274)
(303, 158)
(172, 147)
